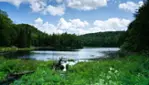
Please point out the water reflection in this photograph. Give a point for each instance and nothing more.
(80, 54)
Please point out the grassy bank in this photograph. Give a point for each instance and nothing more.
(18, 65)
(130, 70)
(10, 49)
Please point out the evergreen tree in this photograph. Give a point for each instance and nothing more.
(138, 31)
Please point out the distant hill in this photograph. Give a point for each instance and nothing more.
(103, 39)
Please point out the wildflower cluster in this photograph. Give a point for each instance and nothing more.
(109, 78)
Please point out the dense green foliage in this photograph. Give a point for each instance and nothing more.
(65, 41)
(130, 70)
(24, 35)
(103, 39)
(5, 26)
(137, 36)
(18, 65)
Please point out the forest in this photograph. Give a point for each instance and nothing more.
(25, 35)
(137, 35)
(103, 39)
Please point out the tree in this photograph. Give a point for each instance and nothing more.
(103, 39)
(5, 29)
(137, 38)
(24, 35)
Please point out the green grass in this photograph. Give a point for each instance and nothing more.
(131, 70)
(8, 49)
(18, 65)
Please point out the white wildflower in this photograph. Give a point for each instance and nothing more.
(116, 71)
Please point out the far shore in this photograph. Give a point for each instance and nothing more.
(13, 49)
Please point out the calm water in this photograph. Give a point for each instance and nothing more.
(80, 54)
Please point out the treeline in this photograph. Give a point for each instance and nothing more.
(24, 35)
(137, 35)
(103, 39)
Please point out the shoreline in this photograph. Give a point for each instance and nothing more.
(13, 49)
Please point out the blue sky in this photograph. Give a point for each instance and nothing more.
(72, 16)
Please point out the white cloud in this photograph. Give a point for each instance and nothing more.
(72, 26)
(63, 24)
(58, 10)
(37, 5)
(45, 27)
(44, 7)
(86, 4)
(112, 24)
(78, 26)
(77, 23)
(72, 23)
(39, 21)
(131, 6)
(40, 6)
(14, 2)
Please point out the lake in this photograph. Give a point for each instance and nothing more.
(79, 54)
